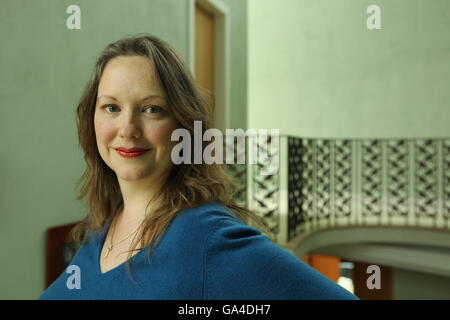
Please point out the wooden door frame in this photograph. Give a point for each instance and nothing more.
(221, 13)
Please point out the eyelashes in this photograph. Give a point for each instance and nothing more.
(159, 109)
(156, 109)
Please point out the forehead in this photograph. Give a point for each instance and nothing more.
(130, 73)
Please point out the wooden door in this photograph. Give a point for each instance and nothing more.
(204, 54)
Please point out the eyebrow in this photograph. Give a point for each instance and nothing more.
(148, 97)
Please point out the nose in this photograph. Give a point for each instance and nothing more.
(130, 126)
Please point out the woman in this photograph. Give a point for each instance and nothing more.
(174, 224)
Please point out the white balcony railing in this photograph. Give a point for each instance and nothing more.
(333, 183)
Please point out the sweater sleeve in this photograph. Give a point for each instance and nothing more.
(242, 263)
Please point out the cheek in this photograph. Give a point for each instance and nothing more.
(160, 134)
(103, 130)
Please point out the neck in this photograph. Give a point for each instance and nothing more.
(139, 199)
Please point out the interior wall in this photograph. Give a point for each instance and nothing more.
(315, 70)
(410, 285)
(44, 67)
(238, 63)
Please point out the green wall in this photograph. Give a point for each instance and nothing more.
(410, 285)
(315, 70)
(238, 63)
(44, 67)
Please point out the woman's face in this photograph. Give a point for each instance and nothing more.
(132, 112)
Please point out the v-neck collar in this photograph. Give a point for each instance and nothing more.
(99, 246)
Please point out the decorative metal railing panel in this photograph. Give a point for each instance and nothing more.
(446, 179)
(393, 182)
(329, 183)
(265, 195)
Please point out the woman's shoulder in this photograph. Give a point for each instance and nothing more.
(209, 213)
(251, 266)
(199, 223)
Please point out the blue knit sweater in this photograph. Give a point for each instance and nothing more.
(205, 253)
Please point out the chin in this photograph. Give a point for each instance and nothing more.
(131, 175)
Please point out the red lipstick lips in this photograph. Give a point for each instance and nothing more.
(131, 152)
(131, 149)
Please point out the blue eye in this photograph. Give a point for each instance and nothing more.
(108, 106)
(154, 109)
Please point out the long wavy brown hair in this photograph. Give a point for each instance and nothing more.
(187, 185)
